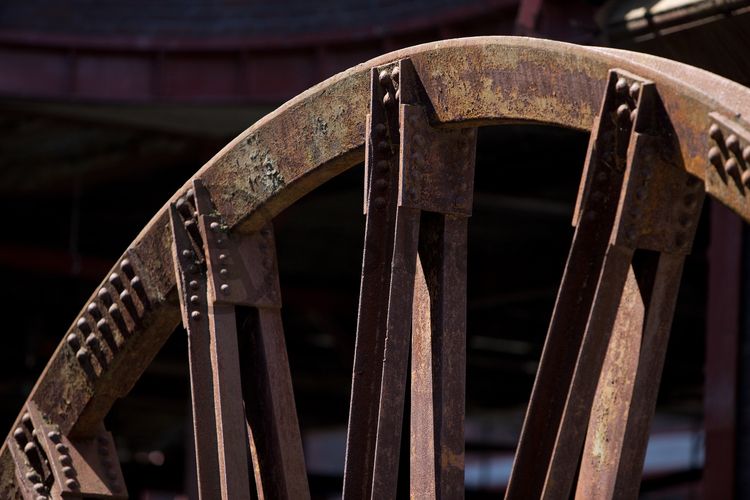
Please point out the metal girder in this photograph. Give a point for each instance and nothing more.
(236, 418)
(663, 134)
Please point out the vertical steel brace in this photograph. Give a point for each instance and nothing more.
(635, 219)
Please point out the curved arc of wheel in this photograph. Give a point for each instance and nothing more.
(320, 133)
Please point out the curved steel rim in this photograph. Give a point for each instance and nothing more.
(320, 133)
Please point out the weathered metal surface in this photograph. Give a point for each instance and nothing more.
(438, 366)
(49, 465)
(192, 285)
(381, 171)
(216, 272)
(467, 83)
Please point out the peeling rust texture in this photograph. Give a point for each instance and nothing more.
(321, 133)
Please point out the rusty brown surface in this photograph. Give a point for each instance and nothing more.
(469, 82)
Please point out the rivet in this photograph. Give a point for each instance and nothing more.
(379, 129)
(193, 284)
(634, 89)
(222, 257)
(105, 297)
(379, 202)
(127, 268)
(633, 115)
(219, 241)
(714, 132)
(115, 281)
(190, 195)
(733, 143)
(223, 272)
(398, 95)
(381, 184)
(384, 78)
(714, 156)
(61, 448)
(621, 86)
(92, 341)
(746, 154)
(187, 253)
(71, 484)
(54, 436)
(93, 310)
(225, 289)
(65, 460)
(69, 471)
(26, 419)
(746, 178)
(623, 114)
(195, 315)
(395, 74)
(731, 167)
(20, 437)
(30, 447)
(41, 497)
(83, 325)
(82, 354)
(387, 99)
(192, 269)
(40, 488)
(33, 476)
(195, 300)
(183, 208)
(73, 341)
(382, 165)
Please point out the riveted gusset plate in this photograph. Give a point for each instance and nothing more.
(728, 163)
(52, 465)
(241, 269)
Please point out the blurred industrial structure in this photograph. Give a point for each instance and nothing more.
(107, 108)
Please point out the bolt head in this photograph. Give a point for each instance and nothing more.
(195, 315)
(714, 132)
(714, 156)
(214, 226)
(623, 114)
(733, 143)
(384, 78)
(731, 166)
(635, 88)
(72, 484)
(746, 178)
(621, 87)
(193, 284)
(225, 289)
(54, 436)
(195, 300)
(395, 73)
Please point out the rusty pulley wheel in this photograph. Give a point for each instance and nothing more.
(662, 135)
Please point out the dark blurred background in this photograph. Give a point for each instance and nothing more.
(107, 107)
